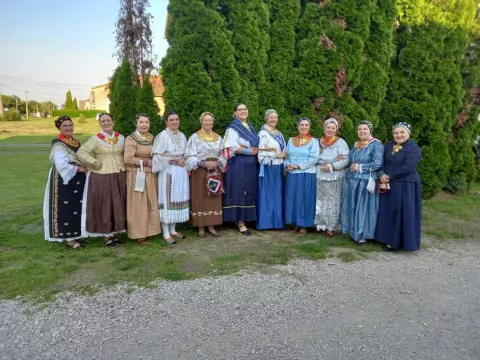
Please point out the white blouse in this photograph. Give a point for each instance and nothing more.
(198, 150)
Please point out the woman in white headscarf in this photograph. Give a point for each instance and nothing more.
(331, 169)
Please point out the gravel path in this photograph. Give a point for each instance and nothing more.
(395, 306)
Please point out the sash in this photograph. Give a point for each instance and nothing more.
(251, 136)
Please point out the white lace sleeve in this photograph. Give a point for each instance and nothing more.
(230, 143)
(62, 163)
(191, 155)
(160, 160)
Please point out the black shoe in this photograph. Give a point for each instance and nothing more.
(387, 248)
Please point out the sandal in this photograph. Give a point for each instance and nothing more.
(109, 242)
(170, 241)
(244, 230)
(302, 231)
(142, 241)
(201, 234)
(117, 241)
(179, 236)
(295, 229)
(214, 233)
(329, 234)
(76, 245)
(388, 248)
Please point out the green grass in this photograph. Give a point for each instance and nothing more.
(35, 269)
(41, 131)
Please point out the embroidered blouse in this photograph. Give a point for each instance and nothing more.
(199, 149)
(369, 158)
(138, 147)
(270, 140)
(305, 156)
(64, 158)
(328, 156)
(101, 157)
(166, 147)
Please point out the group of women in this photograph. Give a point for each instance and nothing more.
(146, 185)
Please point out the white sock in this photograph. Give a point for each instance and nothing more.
(166, 233)
(172, 228)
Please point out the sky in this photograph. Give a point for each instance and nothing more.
(52, 46)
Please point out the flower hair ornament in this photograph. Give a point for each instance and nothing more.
(61, 119)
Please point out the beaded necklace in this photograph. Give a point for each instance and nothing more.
(301, 140)
(110, 141)
(69, 140)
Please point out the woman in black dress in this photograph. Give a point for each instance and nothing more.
(62, 207)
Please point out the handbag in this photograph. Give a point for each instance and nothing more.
(140, 179)
(371, 184)
(213, 183)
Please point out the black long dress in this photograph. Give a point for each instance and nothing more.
(400, 210)
(62, 208)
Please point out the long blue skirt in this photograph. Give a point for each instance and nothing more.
(359, 210)
(300, 198)
(240, 183)
(400, 216)
(270, 198)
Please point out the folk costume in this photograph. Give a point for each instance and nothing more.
(142, 206)
(104, 199)
(360, 207)
(330, 184)
(400, 215)
(62, 205)
(205, 204)
(270, 180)
(240, 197)
(300, 184)
(173, 184)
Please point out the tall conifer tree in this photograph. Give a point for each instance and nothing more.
(123, 98)
(425, 86)
(199, 69)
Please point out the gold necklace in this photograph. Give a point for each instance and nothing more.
(271, 130)
(212, 137)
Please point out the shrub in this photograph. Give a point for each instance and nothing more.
(89, 114)
(82, 119)
(11, 115)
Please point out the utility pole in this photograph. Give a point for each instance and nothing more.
(1, 101)
(26, 102)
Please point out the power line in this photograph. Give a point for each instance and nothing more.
(43, 83)
(36, 92)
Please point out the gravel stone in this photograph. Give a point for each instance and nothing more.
(392, 306)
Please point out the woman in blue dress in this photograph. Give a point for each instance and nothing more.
(240, 148)
(400, 214)
(300, 194)
(360, 207)
(270, 179)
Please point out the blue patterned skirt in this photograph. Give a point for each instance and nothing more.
(359, 210)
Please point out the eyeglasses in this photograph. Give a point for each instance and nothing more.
(242, 109)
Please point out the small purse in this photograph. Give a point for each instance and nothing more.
(214, 183)
(371, 184)
(140, 179)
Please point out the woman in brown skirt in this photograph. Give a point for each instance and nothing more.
(104, 197)
(142, 207)
(206, 186)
